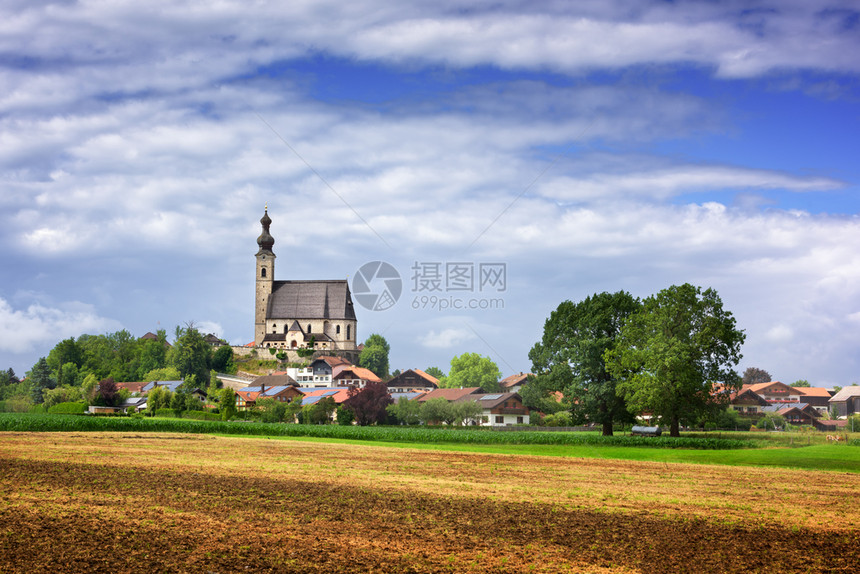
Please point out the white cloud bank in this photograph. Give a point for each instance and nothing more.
(22, 330)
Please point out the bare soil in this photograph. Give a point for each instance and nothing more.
(179, 503)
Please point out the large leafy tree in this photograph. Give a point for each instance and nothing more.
(570, 358)
(66, 351)
(675, 357)
(753, 375)
(473, 370)
(369, 404)
(374, 355)
(191, 354)
(40, 380)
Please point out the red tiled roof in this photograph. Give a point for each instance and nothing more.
(430, 378)
(134, 387)
(813, 391)
(357, 372)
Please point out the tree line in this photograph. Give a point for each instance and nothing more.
(76, 367)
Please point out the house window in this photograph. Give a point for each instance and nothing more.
(500, 419)
(519, 420)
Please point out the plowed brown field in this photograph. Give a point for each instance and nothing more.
(114, 502)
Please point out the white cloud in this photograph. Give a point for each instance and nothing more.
(447, 338)
(206, 327)
(779, 334)
(22, 330)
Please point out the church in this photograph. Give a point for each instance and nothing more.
(293, 314)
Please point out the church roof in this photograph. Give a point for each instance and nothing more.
(310, 300)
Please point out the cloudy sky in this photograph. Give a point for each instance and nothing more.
(614, 145)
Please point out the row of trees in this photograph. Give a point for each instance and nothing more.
(613, 356)
(74, 367)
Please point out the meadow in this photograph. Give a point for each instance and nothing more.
(130, 501)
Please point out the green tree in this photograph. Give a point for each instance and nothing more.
(151, 354)
(541, 394)
(222, 360)
(191, 354)
(570, 357)
(801, 383)
(227, 403)
(158, 398)
(374, 356)
(473, 370)
(675, 353)
(465, 411)
(435, 372)
(437, 411)
(67, 374)
(89, 388)
(64, 394)
(753, 375)
(293, 409)
(40, 380)
(66, 351)
(162, 374)
(344, 415)
(320, 412)
(405, 411)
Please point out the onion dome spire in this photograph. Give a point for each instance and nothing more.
(265, 241)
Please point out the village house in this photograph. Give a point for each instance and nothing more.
(350, 375)
(499, 409)
(319, 373)
(247, 398)
(412, 381)
(846, 402)
(514, 383)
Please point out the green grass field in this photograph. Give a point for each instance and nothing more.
(803, 450)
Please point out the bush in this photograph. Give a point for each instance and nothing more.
(166, 413)
(69, 408)
(559, 419)
(37, 410)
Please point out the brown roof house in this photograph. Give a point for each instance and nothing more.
(514, 383)
(412, 381)
(350, 375)
(295, 314)
(499, 409)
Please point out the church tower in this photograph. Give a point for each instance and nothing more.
(265, 277)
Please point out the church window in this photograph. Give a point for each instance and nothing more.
(347, 332)
(263, 272)
(309, 327)
(337, 330)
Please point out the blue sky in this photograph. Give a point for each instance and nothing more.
(600, 146)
